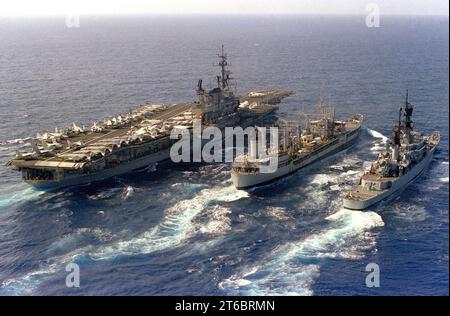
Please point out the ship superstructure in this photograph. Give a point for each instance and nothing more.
(321, 136)
(218, 104)
(406, 157)
(137, 138)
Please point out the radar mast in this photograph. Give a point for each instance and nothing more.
(408, 113)
(222, 80)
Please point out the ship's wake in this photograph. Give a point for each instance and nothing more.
(376, 134)
(292, 268)
(175, 229)
(26, 284)
(19, 196)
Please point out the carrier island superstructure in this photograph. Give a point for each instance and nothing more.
(322, 136)
(405, 158)
(139, 137)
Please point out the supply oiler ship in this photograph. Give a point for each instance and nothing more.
(321, 137)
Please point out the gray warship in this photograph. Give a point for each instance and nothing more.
(405, 158)
(321, 137)
(137, 138)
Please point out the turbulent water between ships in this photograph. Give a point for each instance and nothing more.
(289, 268)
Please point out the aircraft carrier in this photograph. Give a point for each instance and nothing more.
(139, 137)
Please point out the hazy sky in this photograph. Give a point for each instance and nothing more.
(56, 7)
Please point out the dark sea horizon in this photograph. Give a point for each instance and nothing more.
(185, 230)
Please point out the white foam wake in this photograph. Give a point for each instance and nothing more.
(293, 268)
(217, 221)
(26, 284)
(127, 192)
(376, 134)
(19, 196)
(174, 229)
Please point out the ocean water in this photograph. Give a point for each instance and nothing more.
(184, 230)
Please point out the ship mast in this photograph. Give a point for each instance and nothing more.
(396, 138)
(408, 113)
(222, 81)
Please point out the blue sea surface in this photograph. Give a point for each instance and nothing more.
(185, 230)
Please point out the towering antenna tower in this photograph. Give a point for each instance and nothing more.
(408, 113)
(225, 74)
